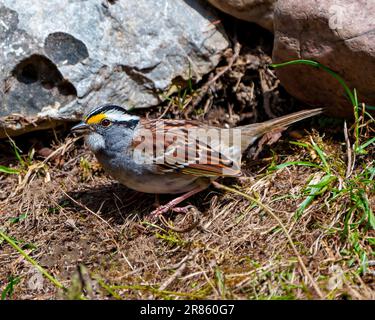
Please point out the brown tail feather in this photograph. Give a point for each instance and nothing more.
(253, 131)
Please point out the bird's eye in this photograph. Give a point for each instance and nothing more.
(105, 123)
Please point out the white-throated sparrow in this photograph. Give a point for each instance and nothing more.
(170, 156)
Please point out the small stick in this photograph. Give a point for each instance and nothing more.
(61, 149)
(174, 276)
(84, 207)
(237, 48)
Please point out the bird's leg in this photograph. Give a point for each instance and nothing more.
(172, 204)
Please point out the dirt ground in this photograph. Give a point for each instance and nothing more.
(95, 236)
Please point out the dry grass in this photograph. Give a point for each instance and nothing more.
(250, 242)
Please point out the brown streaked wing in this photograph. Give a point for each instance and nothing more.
(181, 155)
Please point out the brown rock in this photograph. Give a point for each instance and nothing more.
(337, 33)
(258, 11)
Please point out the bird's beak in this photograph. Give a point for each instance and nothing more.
(81, 127)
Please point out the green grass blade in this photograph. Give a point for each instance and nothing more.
(321, 156)
(7, 170)
(18, 219)
(323, 67)
(16, 152)
(363, 146)
(301, 144)
(365, 204)
(296, 163)
(108, 289)
(220, 279)
(371, 219)
(8, 291)
(314, 190)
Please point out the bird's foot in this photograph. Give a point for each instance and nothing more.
(190, 219)
(160, 211)
(164, 209)
(172, 204)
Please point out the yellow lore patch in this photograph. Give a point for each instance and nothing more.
(96, 119)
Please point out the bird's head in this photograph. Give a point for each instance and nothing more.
(103, 122)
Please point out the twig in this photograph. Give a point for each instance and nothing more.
(269, 211)
(89, 210)
(125, 258)
(172, 278)
(61, 149)
(236, 52)
(165, 111)
(204, 89)
(189, 256)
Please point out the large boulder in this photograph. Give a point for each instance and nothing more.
(257, 11)
(60, 57)
(337, 33)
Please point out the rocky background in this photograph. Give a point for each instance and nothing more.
(60, 58)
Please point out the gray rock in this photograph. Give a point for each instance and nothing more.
(60, 57)
(337, 33)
